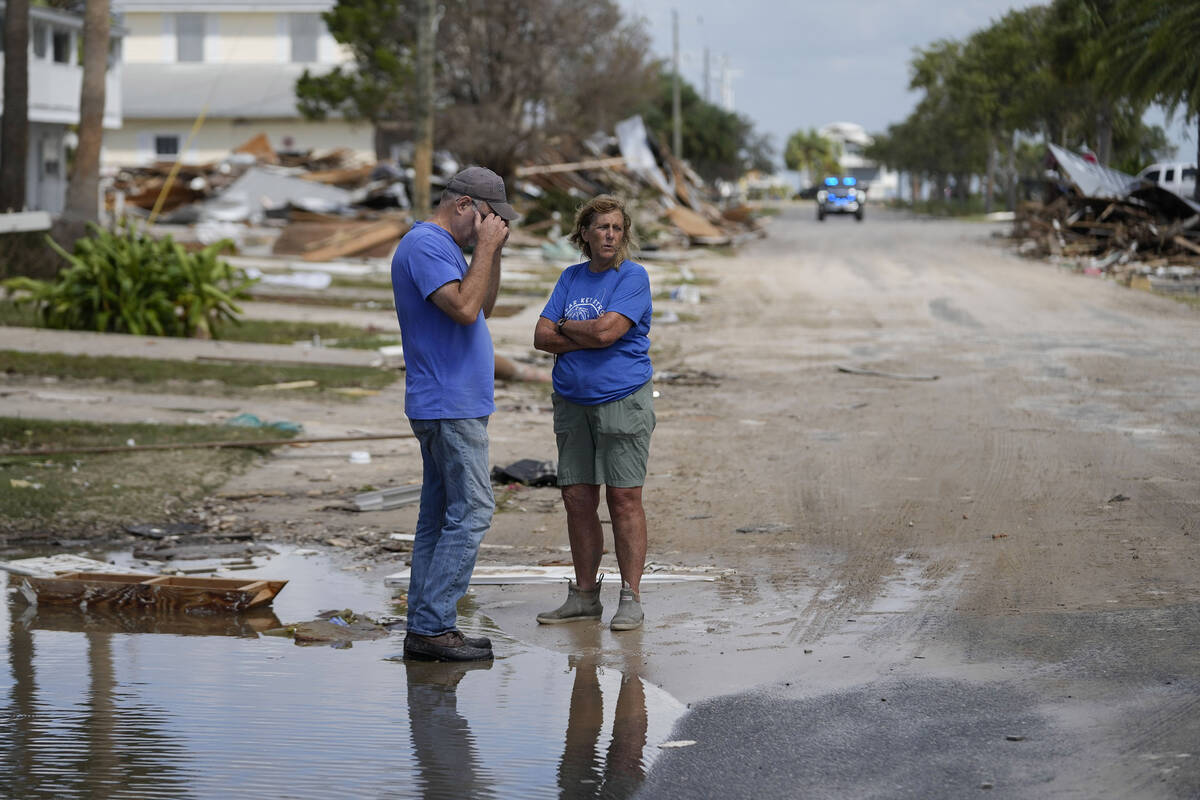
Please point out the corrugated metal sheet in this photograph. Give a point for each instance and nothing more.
(1093, 180)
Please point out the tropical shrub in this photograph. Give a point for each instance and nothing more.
(124, 281)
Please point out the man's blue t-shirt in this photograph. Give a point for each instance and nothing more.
(450, 368)
(590, 377)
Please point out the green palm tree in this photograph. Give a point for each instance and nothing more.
(809, 150)
(1155, 55)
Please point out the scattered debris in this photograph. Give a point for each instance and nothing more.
(252, 421)
(326, 206)
(192, 552)
(338, 628)
(165, 530)
(387, 499)
(1101, 221)
(879, 374)
(677, 743)
(528, 471)
(688, 378)
(772, 527)
(48, 566)
(163, 592)
(1118, 498)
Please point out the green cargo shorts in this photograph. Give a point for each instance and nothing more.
(608, 443)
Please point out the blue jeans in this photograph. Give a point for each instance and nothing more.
(456, 511)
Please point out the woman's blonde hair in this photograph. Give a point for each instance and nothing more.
(587, 213)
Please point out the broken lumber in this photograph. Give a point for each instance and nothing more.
(694, 225)
(349, 241)
(572, 166)
(260, 147)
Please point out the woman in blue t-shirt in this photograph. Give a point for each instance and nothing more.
(597, 325)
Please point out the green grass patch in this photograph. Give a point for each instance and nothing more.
(209, 378)
(334, 334)
(73, 494)
(363, 282)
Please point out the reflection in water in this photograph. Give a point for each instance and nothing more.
(147, 620)
(134, 706)
(582, 772)
(86, 749)
(447, 763)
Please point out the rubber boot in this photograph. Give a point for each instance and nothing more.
(629, 612)
(579, 605)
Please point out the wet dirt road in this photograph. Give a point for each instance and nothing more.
(984, 582)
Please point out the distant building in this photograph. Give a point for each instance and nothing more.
(55, 80)
(853, 141)
(237, 62)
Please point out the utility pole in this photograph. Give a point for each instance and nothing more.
(707, 81)
(423, 146)
(676, 115)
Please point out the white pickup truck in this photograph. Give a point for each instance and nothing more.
(1178, 177)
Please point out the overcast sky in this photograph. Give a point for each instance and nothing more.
(802, 64)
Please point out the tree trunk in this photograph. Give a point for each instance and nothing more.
(1013, 178)
(83, 190)
(1104, 134)
(14, 129)
(1196, 192)
(990, 180)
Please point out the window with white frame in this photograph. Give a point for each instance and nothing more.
(189, 37)
(305, 31)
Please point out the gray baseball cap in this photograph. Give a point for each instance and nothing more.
(481, 183)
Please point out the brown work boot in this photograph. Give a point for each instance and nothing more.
(449, 646)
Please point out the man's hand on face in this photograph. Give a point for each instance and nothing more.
(491, 230)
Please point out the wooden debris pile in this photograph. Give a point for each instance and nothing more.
(1104, 222)
(329, 206)
(674, 206)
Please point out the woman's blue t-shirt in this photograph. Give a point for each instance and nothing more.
(593, 376)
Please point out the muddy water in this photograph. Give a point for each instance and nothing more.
(101, 706)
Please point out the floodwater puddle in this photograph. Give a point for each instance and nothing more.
(120, 705)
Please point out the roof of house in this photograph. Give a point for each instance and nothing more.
(163, 91)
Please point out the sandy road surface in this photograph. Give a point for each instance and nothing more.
(954, 545)
(988, 580)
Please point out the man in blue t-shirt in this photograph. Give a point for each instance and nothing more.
(441, 304)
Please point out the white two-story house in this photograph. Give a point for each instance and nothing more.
(55, 80)
(233, 61)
